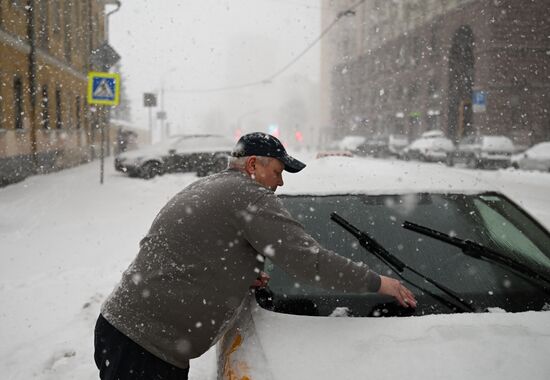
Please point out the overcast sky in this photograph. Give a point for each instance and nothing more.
(204, 44)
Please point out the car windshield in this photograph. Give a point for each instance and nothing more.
(488, 218)
(497, 142)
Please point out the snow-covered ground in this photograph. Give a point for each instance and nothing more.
(65, 240)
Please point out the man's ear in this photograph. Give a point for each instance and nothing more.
(250, 165)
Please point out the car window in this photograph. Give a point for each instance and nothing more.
(202, 143)
(497, 142)
(442, 143)
(422, 143)
(507, 237)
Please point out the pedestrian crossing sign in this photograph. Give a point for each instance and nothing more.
(103, 88)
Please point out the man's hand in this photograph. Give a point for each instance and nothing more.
(394, 288)
(261, 281)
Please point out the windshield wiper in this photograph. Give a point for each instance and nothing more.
(480, 252)
(398, 266)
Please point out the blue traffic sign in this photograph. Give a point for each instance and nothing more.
(480, 98)
(103, 88)
(479, 101)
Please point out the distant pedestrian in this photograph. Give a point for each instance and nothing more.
(196, 264)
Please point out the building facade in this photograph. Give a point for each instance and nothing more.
(461, 66)
(47, 48)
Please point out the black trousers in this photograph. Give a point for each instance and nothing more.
(120, 358)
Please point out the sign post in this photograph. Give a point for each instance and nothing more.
(150, 101)
(103, 90)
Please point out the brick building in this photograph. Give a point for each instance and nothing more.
(47, 48)
(462, 66)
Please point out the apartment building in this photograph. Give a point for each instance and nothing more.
(461, 66)
(47, 48)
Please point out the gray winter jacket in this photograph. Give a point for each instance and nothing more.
(203, 251)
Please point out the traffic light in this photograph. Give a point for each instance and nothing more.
(273, 130)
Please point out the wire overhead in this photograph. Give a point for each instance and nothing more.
(348, 12)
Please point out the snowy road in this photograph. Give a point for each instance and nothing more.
(64, 241)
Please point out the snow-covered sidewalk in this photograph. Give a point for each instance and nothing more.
(65, 241)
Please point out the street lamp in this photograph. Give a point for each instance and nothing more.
(110, 2)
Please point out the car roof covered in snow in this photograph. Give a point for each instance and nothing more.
(355, 175)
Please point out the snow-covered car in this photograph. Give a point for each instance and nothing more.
(203, 154)
(431, 146)
(376, 146)
(333, 153)
(485, 151)
(478, 264)
(350, 142)
(396, 144)
(535, 158)
(432, 133)
(383, 146)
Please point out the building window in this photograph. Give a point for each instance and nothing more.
(432, 88)
(57, 16)
(417, 51)
(68, 21)
(434, 47)
(58, 115)
(2, 85)
(20, 4)
(45, 108)
(43, 24)
(401, 60)
(1, 112)
(18, 97)
(413, 90)
(69, 111)
(399, 93)
(79, 30)
(78, 113)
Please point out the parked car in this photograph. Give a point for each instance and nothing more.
(350, 142)
(484, 151)
(376, 146)
(333, 153)
(535, 158)
(432, 133)
(478, 314)
(203, 154)
(431, 146)
(383, 146)
(396, 144)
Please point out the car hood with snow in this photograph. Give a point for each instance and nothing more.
(485, 346)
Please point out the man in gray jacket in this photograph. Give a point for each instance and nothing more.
(196, 264)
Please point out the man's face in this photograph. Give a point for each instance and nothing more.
(269, 172)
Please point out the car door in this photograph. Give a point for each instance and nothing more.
(179, 155)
